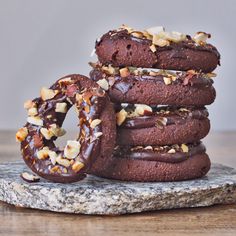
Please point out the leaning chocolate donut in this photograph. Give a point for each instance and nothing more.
(144, 125)
(127, 47)
(155, 163)
(96, 124)
(131, 85)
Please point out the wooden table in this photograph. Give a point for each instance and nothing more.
(216, 220)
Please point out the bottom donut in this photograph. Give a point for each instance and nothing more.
(154, 163)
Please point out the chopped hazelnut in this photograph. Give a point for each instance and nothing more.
(201, 37)
(103, 84)
(29, 104)
(46, 133)
(98, 134)
(124, 72)
(61, 107)
(155, 30)
(184, 147)
(35, 120)
(172, 150)
(46, 93)
(62, 161)
(29, 177)
(43, 153)
(159, 41)
(109, 69)
(137, 34)
(153, 48)
(57, 131)
(121, 116)
(141, 109)
(72, 149)
(167, 80)
(32, 111)
(77, 166)
(21, 134)
(94, 123)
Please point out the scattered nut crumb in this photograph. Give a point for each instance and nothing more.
(30, 178)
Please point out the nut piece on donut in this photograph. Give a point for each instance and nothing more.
(155, 48)
(96, 129)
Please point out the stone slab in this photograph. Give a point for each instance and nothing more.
(95, 195)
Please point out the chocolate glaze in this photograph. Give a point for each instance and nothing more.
(160, 156)
(188, 43)
(90, 145)
(173, 117)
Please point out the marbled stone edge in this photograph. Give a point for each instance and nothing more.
(105, 197)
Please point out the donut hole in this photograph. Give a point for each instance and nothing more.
(69, 124)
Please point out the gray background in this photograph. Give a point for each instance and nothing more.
(41, 41)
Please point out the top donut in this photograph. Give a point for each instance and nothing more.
(156, 48)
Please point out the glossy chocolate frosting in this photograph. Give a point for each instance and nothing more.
(160, 155)
(89, 109)
(159, 117)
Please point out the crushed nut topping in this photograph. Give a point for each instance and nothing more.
(162, 38)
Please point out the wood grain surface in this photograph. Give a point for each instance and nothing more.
(215, 220)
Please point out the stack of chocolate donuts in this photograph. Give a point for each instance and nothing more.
(141, 115)
(160, 83)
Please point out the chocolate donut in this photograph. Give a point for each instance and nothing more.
(162, 50)
(144, 125)
(96, 129)
(155, 163)
(135, 86)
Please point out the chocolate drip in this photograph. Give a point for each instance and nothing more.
(173, 117)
